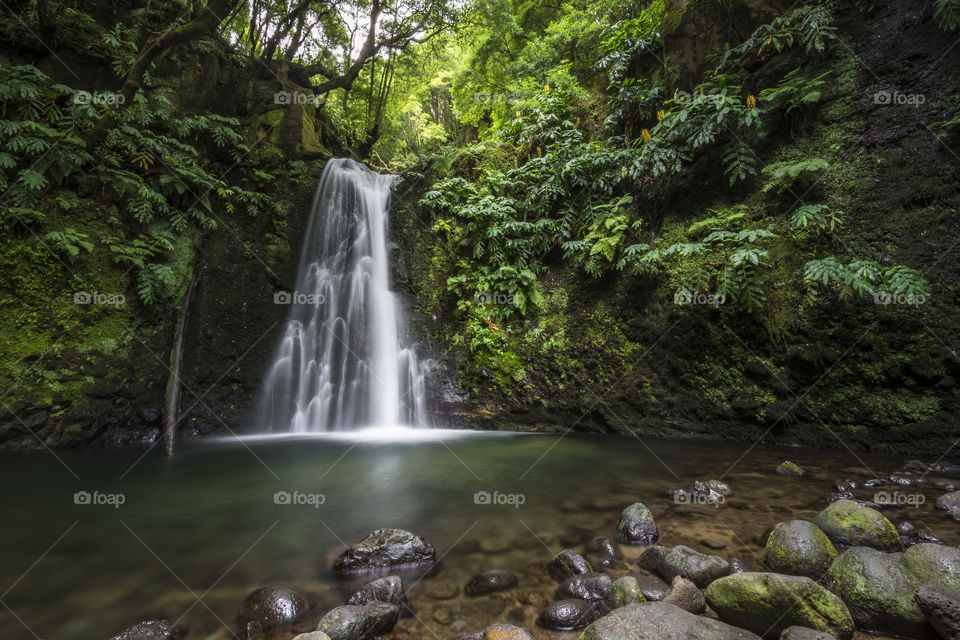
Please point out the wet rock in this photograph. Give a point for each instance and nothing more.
(805, 633)
(684, 594)
(878, 590)
(910, 535)
(636, 525)
(152, 630)
(490, 581)
(799, 548)
(768, 603)
(603, 552)
(660, 621)
(736, 566)
(624, 590)
(568, 563)
(950, 502)
(651, 587)
(313, 635)
(503, 632)
(388, 589)
(942, 608)
(934, 564)
(271, 607)
(352, 622)
(848, 523)
(592, 587)
(699, 568)
(788, 468)
(565, 615)
(711, 492)
(387, 548)
(441, 590)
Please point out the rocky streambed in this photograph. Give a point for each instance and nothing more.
(857, 566)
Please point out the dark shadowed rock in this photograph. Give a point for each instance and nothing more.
(490, 581)
(565, 615)
(270, 607)
(636, 525)
(568, 563)
(352, 622)
(152, 630)
(388, 590)
(699, 568)
(592, 587)
(660, 621)
(684, 594)
(387, 548)
(942, 608)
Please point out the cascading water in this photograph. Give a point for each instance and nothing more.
(341, 364)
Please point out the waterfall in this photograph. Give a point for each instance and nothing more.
(341, 363)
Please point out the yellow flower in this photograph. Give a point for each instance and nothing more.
(518, 114)
(645, 134)
(661, 114)
(546, 87)
(752, 101)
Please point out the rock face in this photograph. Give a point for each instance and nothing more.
(942, 608)
(152, 630)
(849, 523)
(934, 564)
(565, 615)
(490, 581)
(803, 633)
(271, 607)
(684, 594)
(388, 590)
(660, 621)
(636, 525)
(878, 590)
(788, 468)
(386, 548)
(950, 502)
(699, 568)
(768, 603)
(799, 548)
(351, 622)
(592, 587)
(568, 563)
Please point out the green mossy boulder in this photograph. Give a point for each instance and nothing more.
(769, 603)
(788, 468)
(660, 621)
(850, 523)
(799, 548)
(625, 590)
(934, 564)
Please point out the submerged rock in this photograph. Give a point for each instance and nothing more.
(568, 563)
(490, 581)
(684, 594)
(565, 615)
(788, 468)
(388, 589)
(849, 523)
(270, 607)
(942, 608)
(769, 603)
(386, 548)
(505, 632)
(799, 548)
(699, 568)
(603, 552)
(352, 622)
(660, 621)
(636, 525)
(152, 630)
(592, 587)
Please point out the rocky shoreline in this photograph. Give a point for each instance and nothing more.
(848, 571)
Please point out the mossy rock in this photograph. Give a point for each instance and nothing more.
(625, 590)
(850, 523)
(636, 525)
(568, 563)
(660, 621)
(788, 468)
(878, 590)
(799, 548)
(934, 564)
(769, 603)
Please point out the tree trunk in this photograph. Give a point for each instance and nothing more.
(171, 407)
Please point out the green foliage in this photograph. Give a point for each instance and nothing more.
(794, 91)
(810, 25)
(865, 277)
(816, 216)
(948, 14)
(782, 176)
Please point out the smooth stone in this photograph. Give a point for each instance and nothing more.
(152, 630)
(505, 632)
(443, 615)
(804, 633)
(568, 563)
(942, 608)
(934, 564)
(386, 548)
(273, 606)
(490, 581)
(441, 590)
(388, 589)
(660, 621)
(768, 603)
(713, 543)
(636, 525)
(566, 615)
(699, 568)
(651, 587)
(950, 502)
(788, 468)
(352, 622)
(592, 587)
(799, 548)
(603, 551)
(313, 635)
(849, 523)
(684, 594)
(625, 590)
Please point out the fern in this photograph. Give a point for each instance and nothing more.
(783, 175)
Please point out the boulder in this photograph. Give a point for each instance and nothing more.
(803, 633)
(852, 524)
(352, 622)
(490, 581)
(660, 621)
(651, 587)
(386, 548)
(624, 590)
(769, 603)
(878, 590)
(934, 564)
(592, 587)
(272, 606)
(788, 468)
(636, 525)
(799, 548)
(567, 563)
(942, 608)
(565, 615)
(684, 594)
(388, 590)
(699, 568)
(152, 630)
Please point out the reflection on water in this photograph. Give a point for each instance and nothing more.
(228, 516)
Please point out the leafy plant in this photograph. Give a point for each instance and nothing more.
(781, 176)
